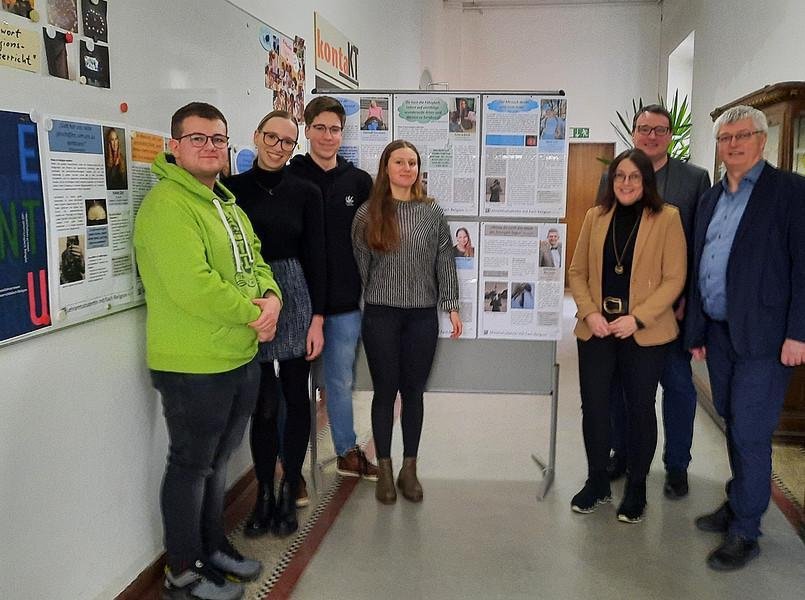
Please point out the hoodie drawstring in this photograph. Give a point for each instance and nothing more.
(238, 264)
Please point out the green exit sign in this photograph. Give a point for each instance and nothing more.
(580, 132)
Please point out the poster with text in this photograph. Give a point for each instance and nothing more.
(90, 217)
(145, 146)
(367, 130)
(523, 156)
(444, 128)
(24, 304)
(519, 291)
(465, 251)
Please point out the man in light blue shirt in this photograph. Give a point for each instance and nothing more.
(747, 308)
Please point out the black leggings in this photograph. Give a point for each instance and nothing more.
(292, 386)
(639, 369)
(400, 344)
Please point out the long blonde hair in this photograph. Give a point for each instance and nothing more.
(382, 227)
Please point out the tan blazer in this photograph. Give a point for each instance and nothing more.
(658, 272)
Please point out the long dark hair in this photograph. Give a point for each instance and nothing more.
(651, 198)
(382, 228)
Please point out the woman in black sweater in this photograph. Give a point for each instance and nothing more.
(287, 216)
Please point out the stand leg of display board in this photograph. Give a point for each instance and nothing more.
(314, 438)
(548, 469)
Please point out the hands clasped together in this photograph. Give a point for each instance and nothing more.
(266, 324)
(622, 327)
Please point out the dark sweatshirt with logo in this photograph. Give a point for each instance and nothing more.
(343, 188)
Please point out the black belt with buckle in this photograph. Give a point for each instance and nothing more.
(615, 307)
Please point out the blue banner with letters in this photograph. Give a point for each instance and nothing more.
(24, 305)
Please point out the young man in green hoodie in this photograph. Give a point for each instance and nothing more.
(210, 298)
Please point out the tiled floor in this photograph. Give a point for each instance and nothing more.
(481, 533)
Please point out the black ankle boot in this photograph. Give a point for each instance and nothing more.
(260, 520)
(284, 522)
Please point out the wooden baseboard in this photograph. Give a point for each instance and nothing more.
(239, 500)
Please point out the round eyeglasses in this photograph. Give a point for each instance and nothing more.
(271, 139)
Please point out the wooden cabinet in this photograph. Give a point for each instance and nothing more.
(784, 107)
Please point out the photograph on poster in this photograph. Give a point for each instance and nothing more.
(94, 64)
(114, 154)
(285, 71)
(523, 294)
(373, 113)
(496, 189)
(59, 54)
(18, 7)
(550, 249)
(93, 17)
(96, 212)
(71, 263)
(63, 14)
(463, 247)
(531, 140)
(463, 117)
(552, 121)
(495, 294)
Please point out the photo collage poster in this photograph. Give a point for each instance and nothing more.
(367, 129)
(524, 156)
(521, 280)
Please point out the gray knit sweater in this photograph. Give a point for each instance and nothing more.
(421, 272)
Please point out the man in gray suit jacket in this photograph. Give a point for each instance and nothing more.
(682, 185)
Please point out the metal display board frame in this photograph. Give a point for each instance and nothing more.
(478, 365)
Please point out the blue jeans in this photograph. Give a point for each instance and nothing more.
(748, 393)
(206, 416)
(341, 335)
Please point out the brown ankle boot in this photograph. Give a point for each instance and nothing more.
(384, 488)
(407, 481)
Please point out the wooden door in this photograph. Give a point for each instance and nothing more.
(583, 175)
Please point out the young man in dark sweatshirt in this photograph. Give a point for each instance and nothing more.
(344, 188)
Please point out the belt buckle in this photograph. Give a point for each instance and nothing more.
(613, 306)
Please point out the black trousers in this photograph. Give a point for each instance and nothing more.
(400, 344)
(639, 369)
(290, 386)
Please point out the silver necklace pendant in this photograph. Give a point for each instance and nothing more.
(619, 269)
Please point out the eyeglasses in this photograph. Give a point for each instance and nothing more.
(271, 139)
(659, 130)
(740, 137)
(199, 140)
(621, 177)
(334, 130)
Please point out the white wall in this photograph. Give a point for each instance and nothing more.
(82, 438)
(740, 47)
(602, 56)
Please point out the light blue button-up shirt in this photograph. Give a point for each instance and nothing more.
(718, 242)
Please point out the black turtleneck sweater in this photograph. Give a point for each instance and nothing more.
(287, 215)
(624, 219)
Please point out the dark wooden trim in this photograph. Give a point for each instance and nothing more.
(239, 500)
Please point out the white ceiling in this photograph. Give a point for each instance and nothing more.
(478, 4)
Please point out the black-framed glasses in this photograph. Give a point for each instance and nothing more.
(271, 139)
(322, 129)
(740, 137)
(658, 130)
(199, 140)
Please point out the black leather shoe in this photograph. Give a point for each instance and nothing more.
(733, 553)
(716, 522)
(284, 522)
(676, 484)
(616, 466)
(260, 520)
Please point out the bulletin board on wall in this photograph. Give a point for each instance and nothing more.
(496, 163)
(89, 87)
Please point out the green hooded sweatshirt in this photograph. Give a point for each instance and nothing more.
(200, 263)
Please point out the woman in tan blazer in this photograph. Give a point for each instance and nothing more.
(628, 269)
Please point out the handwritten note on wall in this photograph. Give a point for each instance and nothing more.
(20, 48)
